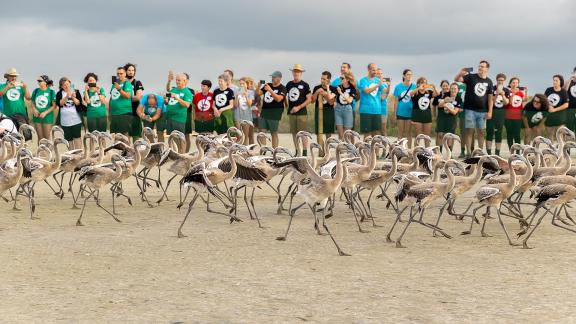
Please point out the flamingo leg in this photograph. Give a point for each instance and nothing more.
(190, 205)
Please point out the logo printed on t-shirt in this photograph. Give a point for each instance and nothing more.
(204, 105)
(573, 91)
(115, 94)
(480, 89)
(554, 99)
(423, 103)
(268, 97)
(537, 117)
(375, 91)
(243, 102)
(499, 102)
(220, 100)
(293, 94)
(13, 94)
(95, 101)
(342, 98)
(516, 101)
(41, 101)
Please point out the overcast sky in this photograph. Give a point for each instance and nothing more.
(531, 39)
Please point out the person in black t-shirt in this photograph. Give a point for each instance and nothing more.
(328, 94)
(444, 92)
(223, 105)
(558, 100)
(298, 97)
(272, 108)
(478, 103)
(534, 116)
(137, 93)
(570, 88)
(495, 125)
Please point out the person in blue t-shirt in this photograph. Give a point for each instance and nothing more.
(150, 109)
(403, 107)
(384, 92)
(370, 88)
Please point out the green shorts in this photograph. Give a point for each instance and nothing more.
(446, 123)
(49, 119)
(97, 123)
(204, 126)
(170, 125)
(556, 119)
(327, 120)
(121, 123)
(136, 128)
(298, 123)
(72, 132)
(269, 124)
(571, 118)
(189, 121)
(421, 116)
(370, 123)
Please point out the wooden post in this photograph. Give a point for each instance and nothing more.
(321, 119)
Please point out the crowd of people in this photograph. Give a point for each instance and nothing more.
(472, 105)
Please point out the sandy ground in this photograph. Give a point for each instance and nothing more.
(139, 271)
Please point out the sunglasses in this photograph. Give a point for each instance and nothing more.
(40, 81)
(536, 101)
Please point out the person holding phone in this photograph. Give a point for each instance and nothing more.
(223, 105)
(513, 121)
(150, 109)
(422, 98)
(204, 109)
(384, 92)
(495, 125)
(558, 100)
(448, 108)
(243, 108)
(403, 106)
(273, 95)
(95, 101)
(328, 94)
(571, 111)
(346, 94)
(478, 103)
(534, 116)
(370, 108)
(437, 111)
(43, 106)
(137, 93)
(13, 93)
(120, 103)
(177, 102)
(70, 119)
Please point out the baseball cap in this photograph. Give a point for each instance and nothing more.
(276, 74)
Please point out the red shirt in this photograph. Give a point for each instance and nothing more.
(514, 107)
(203, 106)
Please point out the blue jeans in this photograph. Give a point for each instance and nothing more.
(474, 119)
(343, 116)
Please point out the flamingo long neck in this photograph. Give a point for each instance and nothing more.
(117, 169)
(56, 164)
(566, 162)
(415, 162)
(478, 171)
(446, 147)
(512, 181)
(19, 168)
(85, 146)
(529, 172)
(100, 150)
(393, 168)
(339, 176)
(372, 157)
(233, 166)
(451, 179)
(314, 159)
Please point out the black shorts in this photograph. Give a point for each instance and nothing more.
(72, 132)
(189, 121)
(370, 123)
(121, 123)
(97, 123)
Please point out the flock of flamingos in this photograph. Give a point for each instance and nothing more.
(350, 174)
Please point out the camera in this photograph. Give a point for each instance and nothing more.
(386, 79)
(469, 69)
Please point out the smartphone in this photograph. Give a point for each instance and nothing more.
(262, 82)
(522, 88)
(469, 69)
(114, 79)
(386, 79)
(168, 94)
(92, 85)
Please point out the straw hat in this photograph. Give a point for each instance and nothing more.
(298, 67)
(11, 72)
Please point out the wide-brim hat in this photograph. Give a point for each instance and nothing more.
(297, 67)
(11, 72)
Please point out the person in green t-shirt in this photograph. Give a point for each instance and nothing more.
(121, 103)
(13, 93)
(44, 104)
(177, 101)
(95, 101)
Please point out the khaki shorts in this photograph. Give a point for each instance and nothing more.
(298, 123)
